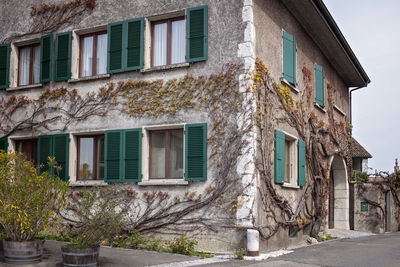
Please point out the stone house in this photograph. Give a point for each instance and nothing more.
(359, 156)
(133, 49)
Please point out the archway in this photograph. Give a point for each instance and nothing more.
(338, 195)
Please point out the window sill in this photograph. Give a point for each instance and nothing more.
(90, 78)
(285, 82)
(164, 182)
(165, 67)
(339, 110)
(87, 183)
(24, 87)
(321, 108)
(292, 186)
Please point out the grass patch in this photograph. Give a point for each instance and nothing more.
(327, 237)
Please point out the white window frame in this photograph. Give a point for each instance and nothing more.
(292, 180)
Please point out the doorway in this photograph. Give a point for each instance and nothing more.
(338, 195)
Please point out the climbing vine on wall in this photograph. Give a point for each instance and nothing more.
(48, 18)
(216, 95)
(324, 139)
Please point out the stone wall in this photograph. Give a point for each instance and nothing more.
(370, 218)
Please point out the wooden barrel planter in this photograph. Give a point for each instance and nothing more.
(24, 252)
(80, 257)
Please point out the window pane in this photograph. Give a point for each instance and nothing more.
(178, 42)
(28, 148)
(176, 154)
(160, 44)
(87, 56)
(86, 145)
(100, 157)
(287, 161)
(36, 64)
(102, 54)
(157, 155)
(25, 55)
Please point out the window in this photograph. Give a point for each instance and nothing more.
(90, 158)
(169, 152)
(28, 148)
(93, 57)
(338, 99)
(168, 41)
(319, 85)
(29, 65)
(166, 154)
(289, 58)
(289, 160)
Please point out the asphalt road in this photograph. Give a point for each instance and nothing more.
(371, 251)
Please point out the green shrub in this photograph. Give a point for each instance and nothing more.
(132, 240)
(240, 253)
(94, 216)
(28, 200)
(182, 245)
(327, 237)
(359, 176)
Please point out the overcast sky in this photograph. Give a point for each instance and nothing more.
(372, 28)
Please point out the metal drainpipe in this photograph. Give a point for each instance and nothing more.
(351, 106)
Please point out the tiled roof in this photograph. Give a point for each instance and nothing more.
(357, 150)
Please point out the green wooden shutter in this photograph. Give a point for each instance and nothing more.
(319, 85)
(46, 58)
(4, 65)
(4, 144)
(61, 154)
(289, 58)
(279, 157)
(196, 152)
(301, 150)
(45, 149)
(115, 41)
(134, 44)
(63, 56)
(197, 34)
(113, 155)
(132, 164)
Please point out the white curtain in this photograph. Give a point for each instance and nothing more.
(36, 65)
(178, 42)
(157, 155)
(102, 54)
(176, 154)
(25, 55)
(160, 45)
(87, 56)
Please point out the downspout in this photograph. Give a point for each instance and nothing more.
(350, 104)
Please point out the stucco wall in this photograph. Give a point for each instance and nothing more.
(227, 20)
(271, 18)
(373, 220)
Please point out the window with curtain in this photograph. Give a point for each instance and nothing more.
(29, 65)
(168, 42)
(166, 154)
(93, 58)
(91, 157)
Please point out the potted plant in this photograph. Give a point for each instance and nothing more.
(28, 203)
(90, 217)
